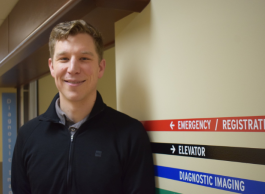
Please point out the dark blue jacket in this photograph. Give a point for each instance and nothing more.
(110, 154)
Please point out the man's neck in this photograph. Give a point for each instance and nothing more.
(77, 110)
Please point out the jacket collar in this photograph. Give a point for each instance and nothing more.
(51, 115)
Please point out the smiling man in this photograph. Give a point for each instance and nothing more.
(80, 145)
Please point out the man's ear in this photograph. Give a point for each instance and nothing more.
(102, 66)
(51, 66)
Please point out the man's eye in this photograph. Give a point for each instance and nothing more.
(63, 59)
(84, 58)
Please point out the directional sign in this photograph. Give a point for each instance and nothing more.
(9, 125)
(223, 124)
(227, 183)
(235, 154)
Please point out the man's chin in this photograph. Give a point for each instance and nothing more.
(72, 97)
(76, 96)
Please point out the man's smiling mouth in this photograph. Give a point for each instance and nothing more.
(74, 82)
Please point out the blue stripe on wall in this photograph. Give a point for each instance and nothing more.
(226, 183)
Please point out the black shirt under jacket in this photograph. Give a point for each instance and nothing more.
(110, 154)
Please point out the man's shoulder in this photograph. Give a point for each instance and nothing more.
(29, 126)
(128, 131)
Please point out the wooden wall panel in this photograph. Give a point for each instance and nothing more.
(4, 39)
(28, 70)
(103, 19)
(27, 15)
(129, 5)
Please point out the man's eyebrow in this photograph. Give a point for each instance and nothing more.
(83, 52)
(87, 53)
(60, 53)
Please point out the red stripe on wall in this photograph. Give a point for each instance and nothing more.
(222, 124)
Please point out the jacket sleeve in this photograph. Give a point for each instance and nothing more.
(19, 180)
(139, 169)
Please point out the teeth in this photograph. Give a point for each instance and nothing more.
(75, 82)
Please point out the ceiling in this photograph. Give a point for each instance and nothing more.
(5, 8)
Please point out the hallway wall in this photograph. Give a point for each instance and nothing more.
(195, 60)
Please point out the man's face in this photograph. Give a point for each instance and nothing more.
(76, 68)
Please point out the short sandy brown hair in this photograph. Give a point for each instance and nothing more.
(63, 30)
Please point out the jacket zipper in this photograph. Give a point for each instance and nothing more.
(69, 168)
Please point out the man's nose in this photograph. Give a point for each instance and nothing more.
(73, 67)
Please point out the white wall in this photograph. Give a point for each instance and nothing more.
(46, 92)
(194, 59)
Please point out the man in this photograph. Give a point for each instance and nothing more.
(80, 145)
